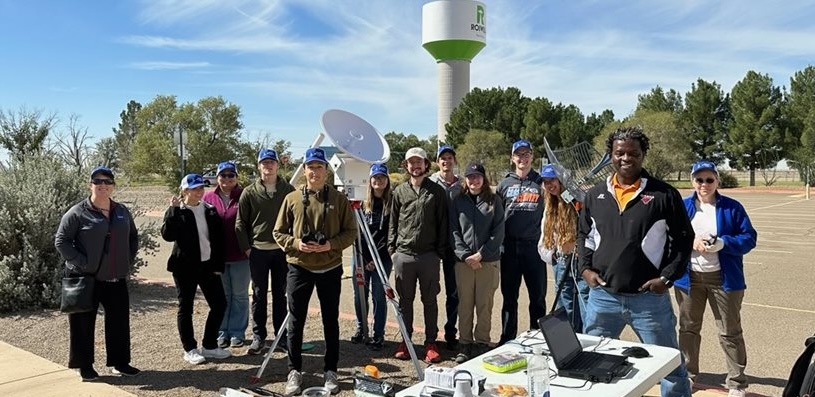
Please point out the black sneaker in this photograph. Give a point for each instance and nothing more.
(88, 374)
(376, 343)
(125, 370)
(358, 337)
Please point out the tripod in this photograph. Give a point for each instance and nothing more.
(570, 271)
(389, 295)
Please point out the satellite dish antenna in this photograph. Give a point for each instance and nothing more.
(578, 168)
(355, 136)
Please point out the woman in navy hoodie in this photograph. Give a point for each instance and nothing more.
(715, 274)
(197, 260)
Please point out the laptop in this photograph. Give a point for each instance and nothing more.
(571, 360)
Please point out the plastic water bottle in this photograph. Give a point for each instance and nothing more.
(537, 371)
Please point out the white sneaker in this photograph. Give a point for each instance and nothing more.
(215, 353)
(736, 393)
(331, 382)
(293, 384)
(193, 357)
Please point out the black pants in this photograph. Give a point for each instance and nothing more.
(300, 285)
(262, 264)
(116, 301)
(213, 289)
(521, 260)
(451, 301)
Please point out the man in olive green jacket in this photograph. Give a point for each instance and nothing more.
(258, 207)
(314, 226)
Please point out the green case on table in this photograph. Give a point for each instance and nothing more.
(504, 362)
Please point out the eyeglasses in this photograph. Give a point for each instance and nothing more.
(227, 175)
(709, 181)
(523, 155)
(102, 181)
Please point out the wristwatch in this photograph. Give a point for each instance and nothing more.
(668, 283)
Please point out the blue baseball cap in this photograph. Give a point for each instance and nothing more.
(445, 148)
(521, 143)
(226, 165)
(315, 154)
(548, 171)
(379, 169)
(102, 170)
(192, 181)
(704, 165)
(267, 154)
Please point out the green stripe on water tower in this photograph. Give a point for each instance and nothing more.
(447, 50)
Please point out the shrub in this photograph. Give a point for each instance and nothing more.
(34, 194)
(727, 180)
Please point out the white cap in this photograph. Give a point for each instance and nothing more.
(415, 152)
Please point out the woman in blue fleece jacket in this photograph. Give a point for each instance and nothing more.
(715, 273)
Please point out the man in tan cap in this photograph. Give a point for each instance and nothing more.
(418, 238)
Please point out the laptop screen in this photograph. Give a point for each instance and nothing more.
(560, 337)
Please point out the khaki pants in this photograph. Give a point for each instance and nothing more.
(476, 290)
(726, 307)
(425, 270)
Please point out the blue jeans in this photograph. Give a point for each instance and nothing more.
(567, 294)
(373, 287)
(236, 288)
(652, 319)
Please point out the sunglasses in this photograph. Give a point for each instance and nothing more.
(227, 175)
(102, 181)
(709, 181)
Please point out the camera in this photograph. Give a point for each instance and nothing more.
(314, 237)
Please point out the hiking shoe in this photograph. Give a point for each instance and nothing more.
(331, 382)
(293, 382)
(736, 393)
(402, 352)
(88, 374)
(256, 347)
(465, 354)
(358, 337)
(234, 342)
(376, 343)
(223, 343)
(125, 370)
(431, 353)
(215, 353)
(194, 357)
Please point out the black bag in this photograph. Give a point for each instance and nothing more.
(77, 294)
(802, 376)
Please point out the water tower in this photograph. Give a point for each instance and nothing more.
(453, 32)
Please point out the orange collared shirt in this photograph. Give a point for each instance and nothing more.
(624, 194)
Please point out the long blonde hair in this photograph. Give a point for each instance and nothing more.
(368, 204)
(561, 219)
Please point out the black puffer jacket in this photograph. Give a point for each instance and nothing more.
(179, 227)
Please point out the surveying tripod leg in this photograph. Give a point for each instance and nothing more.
(279, 335)
(359, 285)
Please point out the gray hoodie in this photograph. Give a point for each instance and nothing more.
(477, 227)
(83, 241)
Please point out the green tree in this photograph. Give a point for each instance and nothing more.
(705, 120)
(800, 112)
(105, 153)
(657, 100)
(153, 151)
(596, 123)
(489, 148)
(24, 132)
(755, 139)
(541, 122)
(213, 132)
(125, 134)
(495, 109)
(399, 144)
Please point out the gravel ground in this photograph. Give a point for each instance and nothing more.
(156, 350)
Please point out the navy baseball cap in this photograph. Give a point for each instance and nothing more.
(102, 170)
(521, 143)
(267, 154)
(379, 169)
(226, 165)
(445, 148)
(192, 181)
(474, 169)
(548, 171)
(315, 154)
(704, 165)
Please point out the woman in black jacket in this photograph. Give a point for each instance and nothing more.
(197, 260)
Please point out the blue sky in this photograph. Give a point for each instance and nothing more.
(285, 62)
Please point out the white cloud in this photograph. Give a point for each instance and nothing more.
(166, 65)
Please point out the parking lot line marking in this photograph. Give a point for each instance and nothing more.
(780, 308)
(773, 251)
(786, 242)
(777, 205)
(753, 263)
